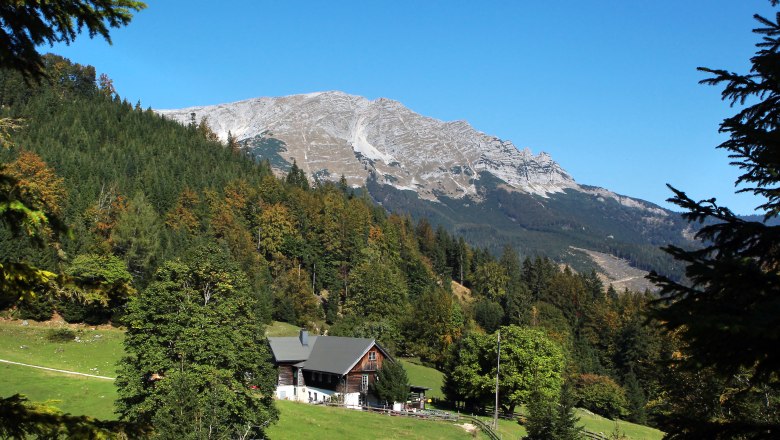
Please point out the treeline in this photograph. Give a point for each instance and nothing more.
(138, 191)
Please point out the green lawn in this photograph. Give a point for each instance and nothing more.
(302, 421)
(99, 354)
(97, 351)
(72, 394)
(591, 422)
(424, 376)
(429, 377)
(596, 423)
(278, 328)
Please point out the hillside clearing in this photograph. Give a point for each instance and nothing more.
(94, 397)
(96, 351)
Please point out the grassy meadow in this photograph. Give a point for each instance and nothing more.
(99, 349)
(300, 420)
(77, 395)
(421, 375)
(95, 352)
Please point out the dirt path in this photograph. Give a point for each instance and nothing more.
(56, 370)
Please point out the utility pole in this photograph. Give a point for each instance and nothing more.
(498, 369)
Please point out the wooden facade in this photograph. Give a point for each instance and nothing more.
(368, 366)
(286, 376)
(318, 375)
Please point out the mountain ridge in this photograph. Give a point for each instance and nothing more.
(412, 163)
(382, 135)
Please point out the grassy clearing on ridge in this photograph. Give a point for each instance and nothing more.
(97, 351)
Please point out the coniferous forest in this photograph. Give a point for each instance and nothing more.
(112, 214)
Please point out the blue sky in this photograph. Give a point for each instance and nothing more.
(608, 88)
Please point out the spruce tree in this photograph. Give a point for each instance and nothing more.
(728, 315)
(392, 384)
(25, 26)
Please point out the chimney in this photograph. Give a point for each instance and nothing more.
(304, 337)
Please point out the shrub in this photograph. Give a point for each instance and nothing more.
(601, 395)
(74, 311)
(60, 335)
(37, 308)
(488, 315)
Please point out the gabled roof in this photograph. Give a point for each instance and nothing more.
(328, 354)
(336, 354)
(290, 349)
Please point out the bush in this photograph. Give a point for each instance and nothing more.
(60, 335)
(37, 308)
(74, 311)
(601, 395)
(488, 315)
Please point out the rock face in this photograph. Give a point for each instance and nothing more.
(331, 133)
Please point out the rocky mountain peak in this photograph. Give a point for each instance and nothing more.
(333, 133)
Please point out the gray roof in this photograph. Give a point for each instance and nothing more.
(290, 349)
(328, 354)
(336, 354)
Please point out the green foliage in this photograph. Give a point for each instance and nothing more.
(136, 236)
(601, 395)
(488, 315)
(491, 280)
(20, 419)
(296, 177)
(725, 315)
(38, 307)
(552, 419)
(294, 298)
(99, 287)
(434, 324)
(378, 290)
(195, 326)
(102, 278)
(635, 399)
(384, 331)
(62, 334)
(392, 384)
(530, 362)
(24, 28)
(30, 207)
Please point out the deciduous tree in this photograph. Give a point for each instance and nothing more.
(195, 327)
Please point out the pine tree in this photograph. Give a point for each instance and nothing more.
(551, 420)
(24, 26)
(729, 314)
(392, 384)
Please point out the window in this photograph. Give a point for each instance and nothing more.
(372, 355)
(364, 382)
(371, 360)
(315, 397)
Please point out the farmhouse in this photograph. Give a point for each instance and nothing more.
(323, 368)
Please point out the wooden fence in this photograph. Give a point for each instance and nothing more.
(455, 417)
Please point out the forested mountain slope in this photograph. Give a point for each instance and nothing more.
(140, 192)
(474, 184)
